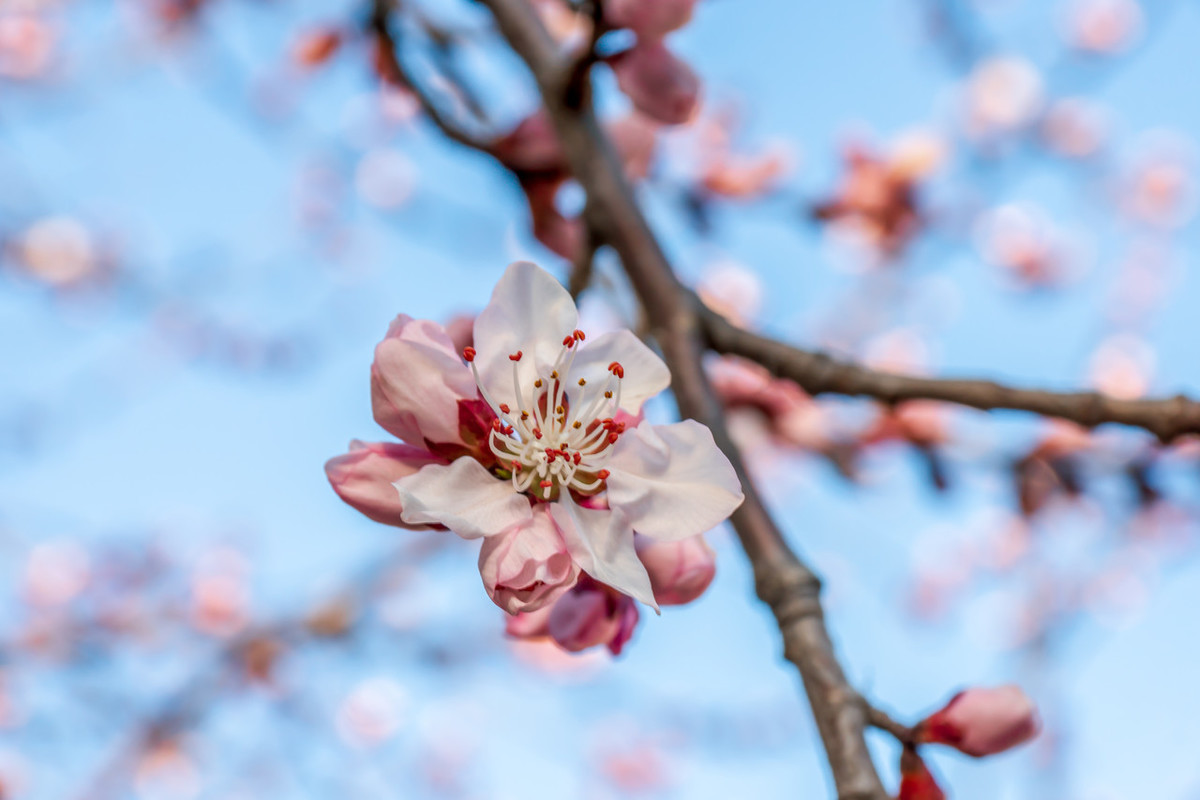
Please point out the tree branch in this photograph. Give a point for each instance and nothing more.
(379, 25)
(783, 581)
(819, 373)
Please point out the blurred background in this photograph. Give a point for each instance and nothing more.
(211, 209)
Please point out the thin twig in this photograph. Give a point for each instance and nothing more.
(819, 373)
(379, 25)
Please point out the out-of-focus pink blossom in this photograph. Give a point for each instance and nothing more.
(791, 416)
(1002, 95)
(874, 200)
(314, 47)
(1075, 127)
(1159, 184)
(649, 19)
(58, 251)
(1123, 366)
(528, 566)
(364, 476)
(1104, 27)
(983, 721)
(221, 593)
(529, 624)
(56, 573)
(916, 781)
(560, 234)
(659, 84)
(679, 571)
(741, 177)
(27, 43)
(165, 769)
(1022, 241)
(372, 712)
(385, 178)
(733, 291)
(593, 614)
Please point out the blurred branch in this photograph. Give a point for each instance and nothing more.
(819, 373)
(783, 581)
(237, 656)
(880, 719)
(379, 25)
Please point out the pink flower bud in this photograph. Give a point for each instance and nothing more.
(417, 381)
(981, 722)
(649, 19)
(558, 233)
(916, 781)
(593, 614)
(527, 566)
(658, 84)
(363, 477)
(531, 146)
(679, 571)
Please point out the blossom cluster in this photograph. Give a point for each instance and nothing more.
(532, 440)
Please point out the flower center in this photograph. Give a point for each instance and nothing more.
(555, 441)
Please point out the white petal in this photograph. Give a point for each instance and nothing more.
(601, 542)
(529, 311)
(463, 496)
(672, 481)
(645, 373)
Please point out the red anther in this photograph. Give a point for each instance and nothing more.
(616, 369)
(537, 434)
(516, 465)
(612, 437)
(579, 335)
(546, 484)
(603, 474)
(516, 356)
(469, 354)
(504, 409)
(576, 458)
(567, 342)
(497, 425)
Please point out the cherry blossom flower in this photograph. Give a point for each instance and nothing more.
(530, 440)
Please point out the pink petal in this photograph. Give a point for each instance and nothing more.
(529, 312)
(679, 571)
(416, 382)
(464, 497)
(649, 19)
(645, 373)
(527, 566)
(601, 542)
(364, 477)
(658, 84)
(672, 481)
